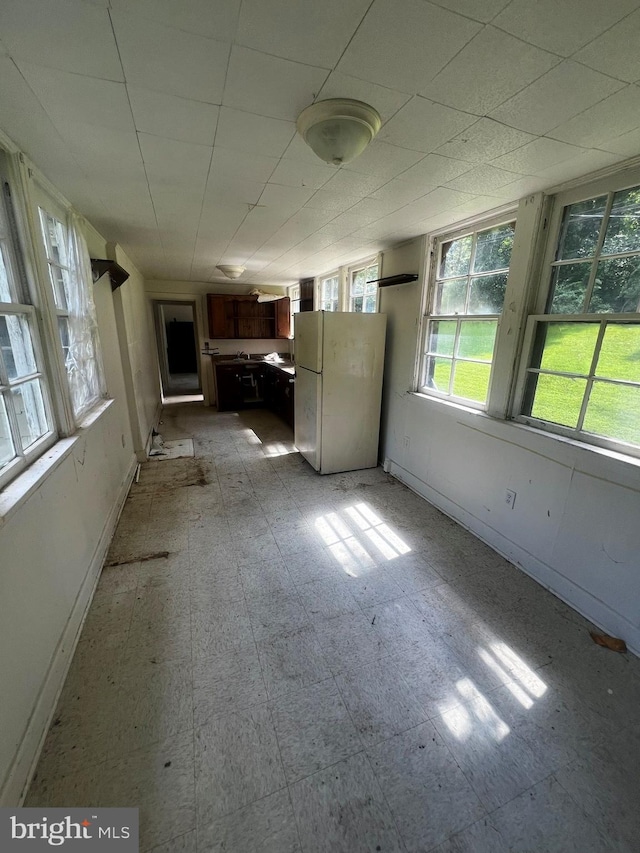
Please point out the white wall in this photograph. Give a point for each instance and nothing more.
(574, 526)
(53, 541)
(197, 291)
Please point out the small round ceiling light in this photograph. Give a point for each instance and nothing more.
(338, 129)
(231, 271)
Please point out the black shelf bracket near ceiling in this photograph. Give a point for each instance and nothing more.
(403, 278)
(117, 274)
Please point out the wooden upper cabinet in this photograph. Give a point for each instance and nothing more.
(244, 317)
(283, 317)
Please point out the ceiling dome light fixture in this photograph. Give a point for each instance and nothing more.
(231, 271)
(338, 129)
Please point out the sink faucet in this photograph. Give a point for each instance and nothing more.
(241, 354)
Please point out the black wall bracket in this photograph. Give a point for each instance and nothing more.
(117, 274)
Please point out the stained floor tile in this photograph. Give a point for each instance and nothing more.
(330, 664)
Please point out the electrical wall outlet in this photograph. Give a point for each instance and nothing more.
(510, 498)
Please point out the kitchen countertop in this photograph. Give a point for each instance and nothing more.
(285, 366)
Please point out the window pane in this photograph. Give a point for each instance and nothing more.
(371, 288)
(442, 336)
(370, 304)
(493, 248)
(471, 380)
(437, 373)
(477, 338)
(29, 406)
(620, 353)
(486, 294)
(5, 289)
(56, 234)
(568, 288)
(569, 347)
(357, 304)
(61, 285)
(63, 329)
(455, 257)
(614, 412)
(451, 296)
(357, 285)
(7, 451)
(617, 286)
(15, 343)
(580, 228)
(623, 227)
(558, 399)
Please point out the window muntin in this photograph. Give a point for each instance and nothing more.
(26, 423)
(466, 300)
(583, 376)
(363, 289)
(330, 293)
(70, 279)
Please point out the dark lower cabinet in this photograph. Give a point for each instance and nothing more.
(243, 386)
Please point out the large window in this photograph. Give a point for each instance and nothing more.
(363, 289)
(583, 373)
(70, 278)
(330, 293)
(26, 424)
(468, 282)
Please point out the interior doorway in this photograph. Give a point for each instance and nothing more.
(178, 349)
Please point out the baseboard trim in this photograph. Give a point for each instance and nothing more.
(575, 596)
(20, 773)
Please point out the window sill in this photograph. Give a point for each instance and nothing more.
(18, 491)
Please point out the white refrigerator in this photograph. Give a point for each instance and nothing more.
(339, 365)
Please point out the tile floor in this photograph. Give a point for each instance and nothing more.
(330, 664)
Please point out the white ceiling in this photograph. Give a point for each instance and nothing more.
(171, 125)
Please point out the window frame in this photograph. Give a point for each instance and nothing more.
(436, 240)
(327, 277)
(351, 272)
(24, 290)
(608, 185)
(43, 196)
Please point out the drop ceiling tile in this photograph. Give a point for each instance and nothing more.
(483, 141)
(618, 114)
(537, 155)
(168, 60)
(173, 164)
(487, 71)
(223, 189)
(403, 44)
(285, 200)
(69, 35)
(482, 179)
(269, 85)
(105, 152)
(242, 131)
(578, 167)
(435, 170)
(422, 125)
(350, 183)
(560, 94)
(615, 52)
(215, 20)
(295, 173)
(305, 31)
(332, 201)
(173, 117)
(400, 191)
(228, 163)
(628, 144)
(74, 98)
(485, 11)
(561, 27)
(386, 101)
(384, 160)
